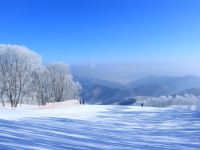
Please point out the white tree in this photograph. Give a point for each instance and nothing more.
(61, 83)
(16, 66)
(40, 85)
(24, 79)
(2, 90)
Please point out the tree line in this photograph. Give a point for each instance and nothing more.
(24, 79)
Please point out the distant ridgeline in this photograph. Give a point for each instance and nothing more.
(159, 91)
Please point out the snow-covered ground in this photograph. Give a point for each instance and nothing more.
(100, 127)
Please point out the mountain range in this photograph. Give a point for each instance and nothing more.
(98, 91)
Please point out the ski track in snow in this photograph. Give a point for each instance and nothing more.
(100, 127)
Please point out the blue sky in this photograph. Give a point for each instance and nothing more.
(85, 31)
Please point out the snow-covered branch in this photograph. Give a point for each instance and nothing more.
(23, 78)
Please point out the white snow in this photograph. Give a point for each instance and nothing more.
(72, 112)
(99, 127)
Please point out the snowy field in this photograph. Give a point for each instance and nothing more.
(100, 127)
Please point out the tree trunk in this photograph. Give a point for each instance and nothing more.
(2, 101)
(11, 100)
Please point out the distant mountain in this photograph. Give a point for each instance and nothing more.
(157, 86)
(149, 80)
(98, 91)
(93, 81)
(151, 90)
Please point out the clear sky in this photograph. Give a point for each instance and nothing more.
(81, 31)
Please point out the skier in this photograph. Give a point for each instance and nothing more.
(83, 102)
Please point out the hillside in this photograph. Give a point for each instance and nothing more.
(98, 91)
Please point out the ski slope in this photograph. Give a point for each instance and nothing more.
(100, 127)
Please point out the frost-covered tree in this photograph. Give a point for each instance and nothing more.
(164, 101)
(53, 83)
(2, 89)
(16, 66)
(61, 83)
(40, 86)
(24, 79)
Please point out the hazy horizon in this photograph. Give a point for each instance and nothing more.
(127, 72)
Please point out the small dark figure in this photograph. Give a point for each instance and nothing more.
(83, 102)
(80, 102)
(142, 104)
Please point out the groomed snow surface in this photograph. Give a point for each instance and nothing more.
(99, 127)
